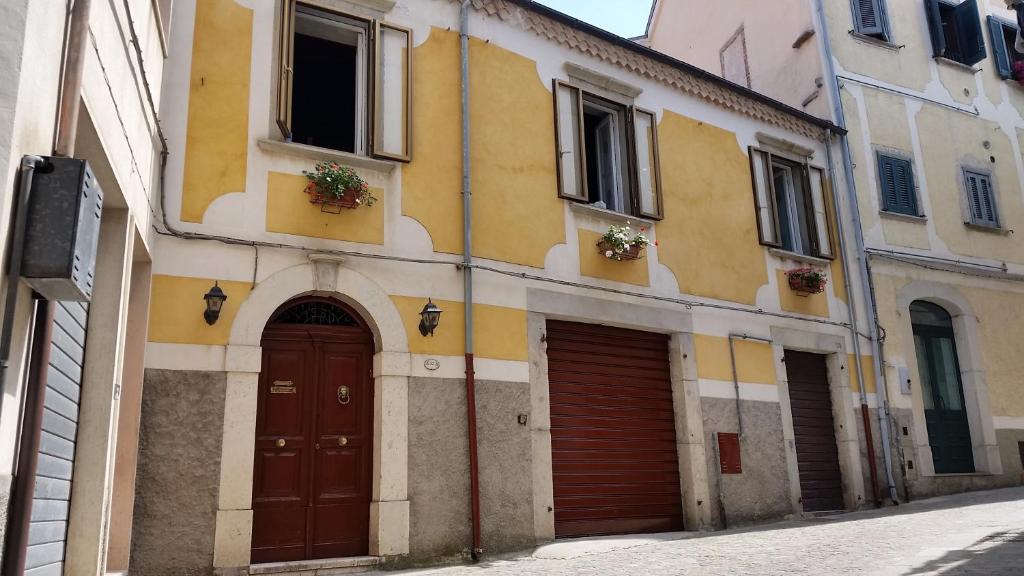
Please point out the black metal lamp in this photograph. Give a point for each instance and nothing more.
(214, 301)
(430, 316)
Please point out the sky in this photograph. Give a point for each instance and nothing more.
(626, 18)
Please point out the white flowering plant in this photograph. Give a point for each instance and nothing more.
(621, 243)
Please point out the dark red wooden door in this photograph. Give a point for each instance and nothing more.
(613, 441)
(821, 482)
(314, 444)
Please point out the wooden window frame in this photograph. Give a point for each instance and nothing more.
(880, 156)
(814, 235)
(285, 78)
(630, 172)
(940, 45)
(1002, 52)
(996, 223)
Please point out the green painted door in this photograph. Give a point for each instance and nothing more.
(944, 408)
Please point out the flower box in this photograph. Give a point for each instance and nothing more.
(631, 251)
(349, 199)
(336, 187)
(619, 243)
(806, 281)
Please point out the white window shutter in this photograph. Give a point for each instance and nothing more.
(572, 182)
(392, 105)
(764, 198)
(821, 232)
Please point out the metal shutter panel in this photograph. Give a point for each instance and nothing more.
(1000, 51)
(932, 9)
(896, 177)
(51, 499)
(869, 17)
(613, 441)
(969, 35)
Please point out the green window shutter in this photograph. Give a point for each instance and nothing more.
(1000, 51)
(869, 18)
(981, 197)
(896, 176)
(931, 7)
(969, 35)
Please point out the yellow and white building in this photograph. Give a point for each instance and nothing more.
(311, 424)
(930, 95)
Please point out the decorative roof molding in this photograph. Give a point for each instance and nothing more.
(695, 82)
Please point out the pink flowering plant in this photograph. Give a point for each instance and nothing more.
(621, 243)
(341, 184)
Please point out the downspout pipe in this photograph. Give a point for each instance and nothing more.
(71, 84)
(467, 274)
(864, 268)
(736, 377)
(851, 309)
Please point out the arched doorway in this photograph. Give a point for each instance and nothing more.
(312, 481)
(942, 390)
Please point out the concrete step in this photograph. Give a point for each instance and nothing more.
(328, 567)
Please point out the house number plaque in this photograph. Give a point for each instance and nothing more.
(282, 387)
(431, 364)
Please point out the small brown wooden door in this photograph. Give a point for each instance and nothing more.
(314, 433)
(821, 482)
(613, 440)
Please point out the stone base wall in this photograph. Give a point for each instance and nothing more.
(439, 496)
(761, 492)
(177, 482)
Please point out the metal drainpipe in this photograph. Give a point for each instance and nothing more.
(467, 273)
(736, 377)
(865, 272)
(851, 310)
(71, 84)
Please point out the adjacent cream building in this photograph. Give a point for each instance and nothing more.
(69, 426)
(931, 97)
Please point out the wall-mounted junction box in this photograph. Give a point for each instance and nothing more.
(62, 230)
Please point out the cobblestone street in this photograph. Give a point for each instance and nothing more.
(976, 534)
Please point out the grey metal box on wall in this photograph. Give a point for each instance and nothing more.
(62, 230)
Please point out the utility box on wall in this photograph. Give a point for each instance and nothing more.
(62, 230)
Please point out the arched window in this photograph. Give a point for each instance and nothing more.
(941, 388)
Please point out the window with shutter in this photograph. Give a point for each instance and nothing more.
(607, 153)
(333, 111)
(791, 204)
(896, 180)
(956, 31)
(981, 199)
(870, 18)
(1003, 36)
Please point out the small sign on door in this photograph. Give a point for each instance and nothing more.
(282, 387)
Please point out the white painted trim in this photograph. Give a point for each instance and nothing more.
(1008, 422)
(726, 389)
(198, 357)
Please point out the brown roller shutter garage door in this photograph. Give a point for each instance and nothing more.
(613, 441)
(821, 482)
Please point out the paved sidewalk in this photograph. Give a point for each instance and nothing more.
(967, 534)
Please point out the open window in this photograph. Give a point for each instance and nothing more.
(956, 31)
(331, 64)
(607, 153)
(871, 19)
(791, 202)
(1004, 40)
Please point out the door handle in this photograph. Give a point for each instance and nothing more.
(280, 442)
(343, 395)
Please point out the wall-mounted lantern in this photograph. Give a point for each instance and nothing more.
(214, 301)
(430, 316)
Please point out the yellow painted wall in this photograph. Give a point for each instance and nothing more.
(595, 265)
(754, 360)
(709, 236)
(867, 365)
(955, 140)
(499, 332)
(290, 212)
(177, 306)
(517, 215)
(813, 305)
(218, 108)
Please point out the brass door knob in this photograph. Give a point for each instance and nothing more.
(280, 442)
(342, 441)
